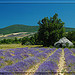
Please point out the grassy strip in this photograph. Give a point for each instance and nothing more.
(12, 46)
(61, 65)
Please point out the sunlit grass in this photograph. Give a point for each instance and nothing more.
(12, 54)
(2, 57)
(11, 46)
(9, 62)
(1, 65)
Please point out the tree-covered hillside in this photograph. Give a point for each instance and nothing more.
(18, 28)
(24, 28)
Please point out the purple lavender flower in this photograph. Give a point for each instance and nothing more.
(51, 64)
(73, 50)
(1, 52)
(55, 57)
(48, 66)
(25, 55)
(70, 60)
(17, 57)
(4, 72)
(32, 52)
(31, 60)
(41, 55)
(10, 68)
(7, 54)
(22, 66)
(42, 49)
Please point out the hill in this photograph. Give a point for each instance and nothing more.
(24, 28)
(69, 29)
(18, 28)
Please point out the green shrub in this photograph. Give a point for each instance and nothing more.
(51, 46)
(27, 43)
(73, 43)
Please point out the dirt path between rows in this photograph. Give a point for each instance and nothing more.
(62, 68)
(34, 68)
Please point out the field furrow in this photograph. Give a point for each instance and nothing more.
(37, 61)
(61, 65)
(50, 65)
(35, 67)
(70, 61)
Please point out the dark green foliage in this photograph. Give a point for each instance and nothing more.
(18, 28)
(16, 40)
(50, 30)
(71, 35)
(33, 40)
(73, 43)
(10, 41)
(24, 28)
(6, 41)
(27, 43)
(24, 40)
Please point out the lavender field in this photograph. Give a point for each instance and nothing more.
(37, 61)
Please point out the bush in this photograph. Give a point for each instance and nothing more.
(51, 46)
(73, 43)
(27, 43)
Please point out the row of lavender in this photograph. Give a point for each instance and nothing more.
(70, 61)
(21, 59)
(50, 66)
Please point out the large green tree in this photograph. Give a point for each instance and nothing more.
(50, 30)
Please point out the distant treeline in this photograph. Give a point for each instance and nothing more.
(10, 41)
(69, 29)
(24, 28)
(33, 40)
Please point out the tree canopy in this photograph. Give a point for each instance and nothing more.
(50, 30)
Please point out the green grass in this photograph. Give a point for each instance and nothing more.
(8, 62)
(12, 46)
(2, 57)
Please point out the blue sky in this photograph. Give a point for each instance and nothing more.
(37, 0)
(30, 14)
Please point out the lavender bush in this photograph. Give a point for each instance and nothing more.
(50, 65)
(70, 60)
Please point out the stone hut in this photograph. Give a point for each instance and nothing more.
(63, 42)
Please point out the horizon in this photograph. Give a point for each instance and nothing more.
(27, 25)
(29, 13)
